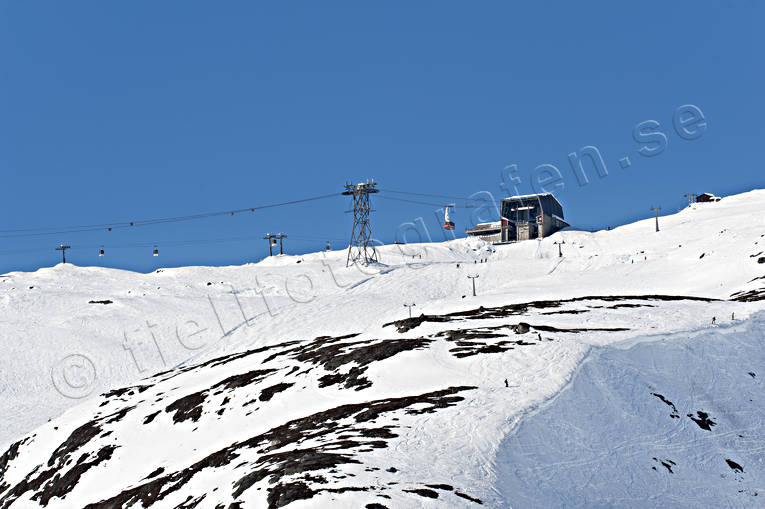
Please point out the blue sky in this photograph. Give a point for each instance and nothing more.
(131, 111)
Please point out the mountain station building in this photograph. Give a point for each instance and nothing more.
(532, 216)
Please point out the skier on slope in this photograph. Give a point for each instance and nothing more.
(506, 384)
(714, 320)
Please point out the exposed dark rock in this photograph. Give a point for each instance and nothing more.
(8, 456)
(521, 308)
(151, 417)
(471, 334)
(703, 420)
(316, 479)
(268, 393)
(467, 345)
(78, 438)
(60, 485)
(310, 346)
(293, 462)
(478, 349)
(468, 497)
(521, 328)
(188, 407)
(674, 413)
(55, 483)
(361, 352)
(242, 380)
(287, 438)
(118, 415)
(618, 306)
(734, 466)
(100, 302)
(190, 502)
(155, 473)
(351, 379)
(445, 487)
(576, 330)
(283, 494)
(521, 342)
(332, 353)
(750, 296)
(118, 393)
(407, 324)
(423, 492)
(219, 361)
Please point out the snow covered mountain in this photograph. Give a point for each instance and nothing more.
(595, 379)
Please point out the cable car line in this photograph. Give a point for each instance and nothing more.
(439, 205)
(180, 242)
(36, 232)
(102, 250)
(426, 195)
(410, 201)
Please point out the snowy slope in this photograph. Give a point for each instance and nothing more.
(629, 427)
(288, 381)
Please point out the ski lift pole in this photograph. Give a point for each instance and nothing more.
(63, 249)
(560, 253)
(656, 210)
(268, 238)
(473, 278)
(281, 236)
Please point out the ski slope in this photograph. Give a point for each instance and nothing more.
(628, 429)
(297, 381)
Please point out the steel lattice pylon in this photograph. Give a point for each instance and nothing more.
(361, 247)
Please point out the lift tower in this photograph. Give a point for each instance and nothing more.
(281, 237)
(271, 239)
(361, 247)
(63, 249)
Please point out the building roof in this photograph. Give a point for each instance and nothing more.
(528, 196)
(521, 196)
(493, 224)
(485, 228)
(548, 201)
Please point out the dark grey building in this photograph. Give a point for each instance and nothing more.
(523, 217)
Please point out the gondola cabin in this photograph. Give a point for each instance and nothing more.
(448, 223)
